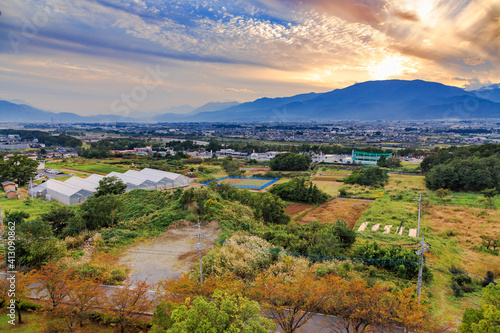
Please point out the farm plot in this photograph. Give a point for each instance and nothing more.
(293, 209)
(348, 210)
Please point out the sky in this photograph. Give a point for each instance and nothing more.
(124, 57)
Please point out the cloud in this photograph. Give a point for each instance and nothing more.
(244, 90)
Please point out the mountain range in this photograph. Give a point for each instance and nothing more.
(372, 100)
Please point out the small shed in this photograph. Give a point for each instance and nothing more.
(11, 194)
(9, 186)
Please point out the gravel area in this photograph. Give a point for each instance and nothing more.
(170, 254)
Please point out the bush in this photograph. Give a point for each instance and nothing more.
(402, 262)
(297, 190)
(372, 176)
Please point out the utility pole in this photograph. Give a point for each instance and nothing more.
(199, 249)
(423, 247)
(3, 236)
(419, 210)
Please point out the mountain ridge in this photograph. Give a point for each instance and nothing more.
(371, 100)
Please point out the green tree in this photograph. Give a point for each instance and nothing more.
(100, 212)
(222, 313)
(58, 218)
(18, 167)
(271, 208)
(382, 162)
(369, 177)
(110, 185)
(297, 190)
(487, 318)
(231, 166)
(290, 162)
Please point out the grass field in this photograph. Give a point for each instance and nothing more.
(102, 167)
(35, 208)
(248, 182)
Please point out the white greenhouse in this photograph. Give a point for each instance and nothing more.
(158, 181)
(82, 183)
(65, 193)
(172, 180)
(134, 182)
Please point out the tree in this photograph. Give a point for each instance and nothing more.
(382, 162)
(369, 177)
(486, 319)
(128, 304)
(231, 166)
(18, 167)
(393, 162)
(489, 193)
(271, 208)
(223, 312)
(58, 218)
(290, 299)
(50, 283)
(14, 299)
(297, 190)
(290, 162)
(100, 212)
(84, 295)
(110, 185)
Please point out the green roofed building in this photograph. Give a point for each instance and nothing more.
(360, 157)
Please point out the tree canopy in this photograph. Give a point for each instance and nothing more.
(110, 185)
(369, 177)
(290, 162)
(18, 167)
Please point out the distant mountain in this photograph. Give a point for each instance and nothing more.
(176, 117)
(373, 100)
(11, 112)
(491, 93)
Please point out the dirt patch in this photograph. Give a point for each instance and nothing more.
(293, 209)
(348, 210)
(170, 254)
(324, 179)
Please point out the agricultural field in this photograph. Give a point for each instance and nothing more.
(295, 208)
(34, 207)
(102, 167)
(348, 210)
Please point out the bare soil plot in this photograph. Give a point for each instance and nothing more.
(169, 254)
(348, 210)
(293, 209)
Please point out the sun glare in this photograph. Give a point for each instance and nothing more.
(389, 67)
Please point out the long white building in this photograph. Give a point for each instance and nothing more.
(76, 190)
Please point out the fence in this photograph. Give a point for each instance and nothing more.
(252, 187)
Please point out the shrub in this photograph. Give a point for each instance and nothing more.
(297, 190)
(372, 176)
